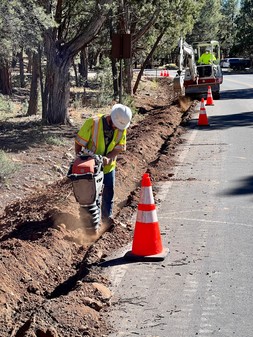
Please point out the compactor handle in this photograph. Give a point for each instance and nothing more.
(86, 152)
(89, 153)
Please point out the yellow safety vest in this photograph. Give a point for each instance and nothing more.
(91, 136)
(206, 58)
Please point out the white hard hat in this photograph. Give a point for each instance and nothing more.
(121, 116)
(208, 48)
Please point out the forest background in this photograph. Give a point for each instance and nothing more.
(48, 48)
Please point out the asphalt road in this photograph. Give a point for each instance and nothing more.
(204, 286)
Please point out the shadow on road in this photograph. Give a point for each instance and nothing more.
(243, 186)
(237, 94)
(243, 119)
(230, 121)
(115, 262)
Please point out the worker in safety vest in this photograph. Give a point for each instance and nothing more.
(207, 57)
(106, 136)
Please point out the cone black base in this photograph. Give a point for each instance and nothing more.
(147, 258)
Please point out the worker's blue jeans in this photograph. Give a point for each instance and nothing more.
(108, 194)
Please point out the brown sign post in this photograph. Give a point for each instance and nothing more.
(121, 49)
(121, 46)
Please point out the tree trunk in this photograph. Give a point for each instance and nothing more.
(58, 97)
(76, 74)
(146, 62)
(128, 76)
(56, 93)
(5, 78)
(21, 69)
(84, 65)
(115, 79)
(29, 64)
(42, 87)
(33, 101)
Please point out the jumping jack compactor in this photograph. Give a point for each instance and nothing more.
(86, 174)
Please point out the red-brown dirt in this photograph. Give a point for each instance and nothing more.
(51, 284)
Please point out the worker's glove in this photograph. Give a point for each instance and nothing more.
(107, 161)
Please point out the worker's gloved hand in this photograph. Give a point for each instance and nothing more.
(107, 161)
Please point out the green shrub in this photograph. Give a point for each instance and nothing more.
(129, 101)
(6, 107)
(54, 140)
(7, 166)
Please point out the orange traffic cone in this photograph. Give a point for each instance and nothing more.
(203, 120)
(209, 100)
(161, 73)
(147, 243)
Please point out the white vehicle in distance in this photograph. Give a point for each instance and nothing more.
(235, 63)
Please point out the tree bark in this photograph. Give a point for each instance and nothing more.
(43, 93)
(84, 65)
(33, 101)
(115, 78)
(21, 69)
(128, 76)
(5, 78)
(29, 64)
(76, 74)
(56, 94)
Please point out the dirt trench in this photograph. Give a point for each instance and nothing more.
(51, 282)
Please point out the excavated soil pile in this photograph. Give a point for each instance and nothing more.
(51, 284)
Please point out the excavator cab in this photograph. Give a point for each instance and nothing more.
(212, 46)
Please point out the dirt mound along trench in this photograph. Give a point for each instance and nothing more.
(51, 285)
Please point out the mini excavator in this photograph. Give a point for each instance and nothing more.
(193, 78)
